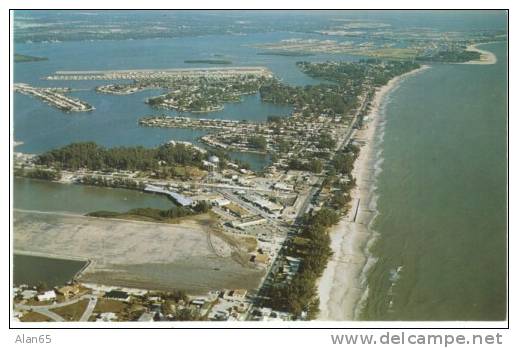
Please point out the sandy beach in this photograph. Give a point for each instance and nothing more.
(486, 57)
(340, 286)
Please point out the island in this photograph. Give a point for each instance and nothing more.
(23, 58)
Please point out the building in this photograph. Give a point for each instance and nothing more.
(28, 294)
(220, 202)
(235, 294)
(248, 221)
(264, 204)
(68, 290)
(117, 295)
(107, 316)
(282, 187)
(47, 296)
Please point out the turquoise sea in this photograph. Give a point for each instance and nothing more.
(442, 223)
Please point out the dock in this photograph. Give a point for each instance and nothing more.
(176, 197)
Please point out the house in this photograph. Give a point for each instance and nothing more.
(107, 316)
(68, 290)
(198, 302)
(117, 295)
(28, 294)
(47, 296)
(220, 202)
(235, 294)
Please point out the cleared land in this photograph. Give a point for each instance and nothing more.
(72, 312)
(189, 255)
(34, 317)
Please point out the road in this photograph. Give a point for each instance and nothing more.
(49, 314)
(345, 140)
(46, 309)
(89, 309)
(313, 191)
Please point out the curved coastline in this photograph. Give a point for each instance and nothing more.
(342, 287)
(486, 57)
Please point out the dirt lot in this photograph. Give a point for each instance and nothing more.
(140, 254)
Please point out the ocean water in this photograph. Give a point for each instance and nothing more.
(442, 215)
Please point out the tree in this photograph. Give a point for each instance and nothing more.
(258, 141)
(202, 207)
(315, 166)
(41, 286)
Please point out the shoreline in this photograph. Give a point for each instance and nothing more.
(341, 286)
(486, 57)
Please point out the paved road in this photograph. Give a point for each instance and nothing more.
(89, 309)
(45, 309)
(50, 314)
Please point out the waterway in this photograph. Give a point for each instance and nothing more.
(33, 270)
(442, 223)
(40, 195)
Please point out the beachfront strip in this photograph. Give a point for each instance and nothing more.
(283, 213)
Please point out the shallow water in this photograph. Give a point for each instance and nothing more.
(31, 270)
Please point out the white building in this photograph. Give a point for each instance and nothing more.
(47, 296)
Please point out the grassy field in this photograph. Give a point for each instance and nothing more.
(72, 312)
(34, 317)
(107, 305)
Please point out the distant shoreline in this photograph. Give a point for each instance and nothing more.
(486, 57)
(340, 287)
(208, 61)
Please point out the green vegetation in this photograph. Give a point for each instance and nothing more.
(325, 141)
(202, 94)
(94, 157)
(354, 75)
(258, 142)
(34, 317)
(274, 119)
(45, 174)
(72, 312)
(22, 58)
(451, 56)
(313, 248)
(340, 98)
(316, 99)
(313, 165)
(153, 214)
(207, 61)
(111, 182)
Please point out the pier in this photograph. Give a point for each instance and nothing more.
(176, 197)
